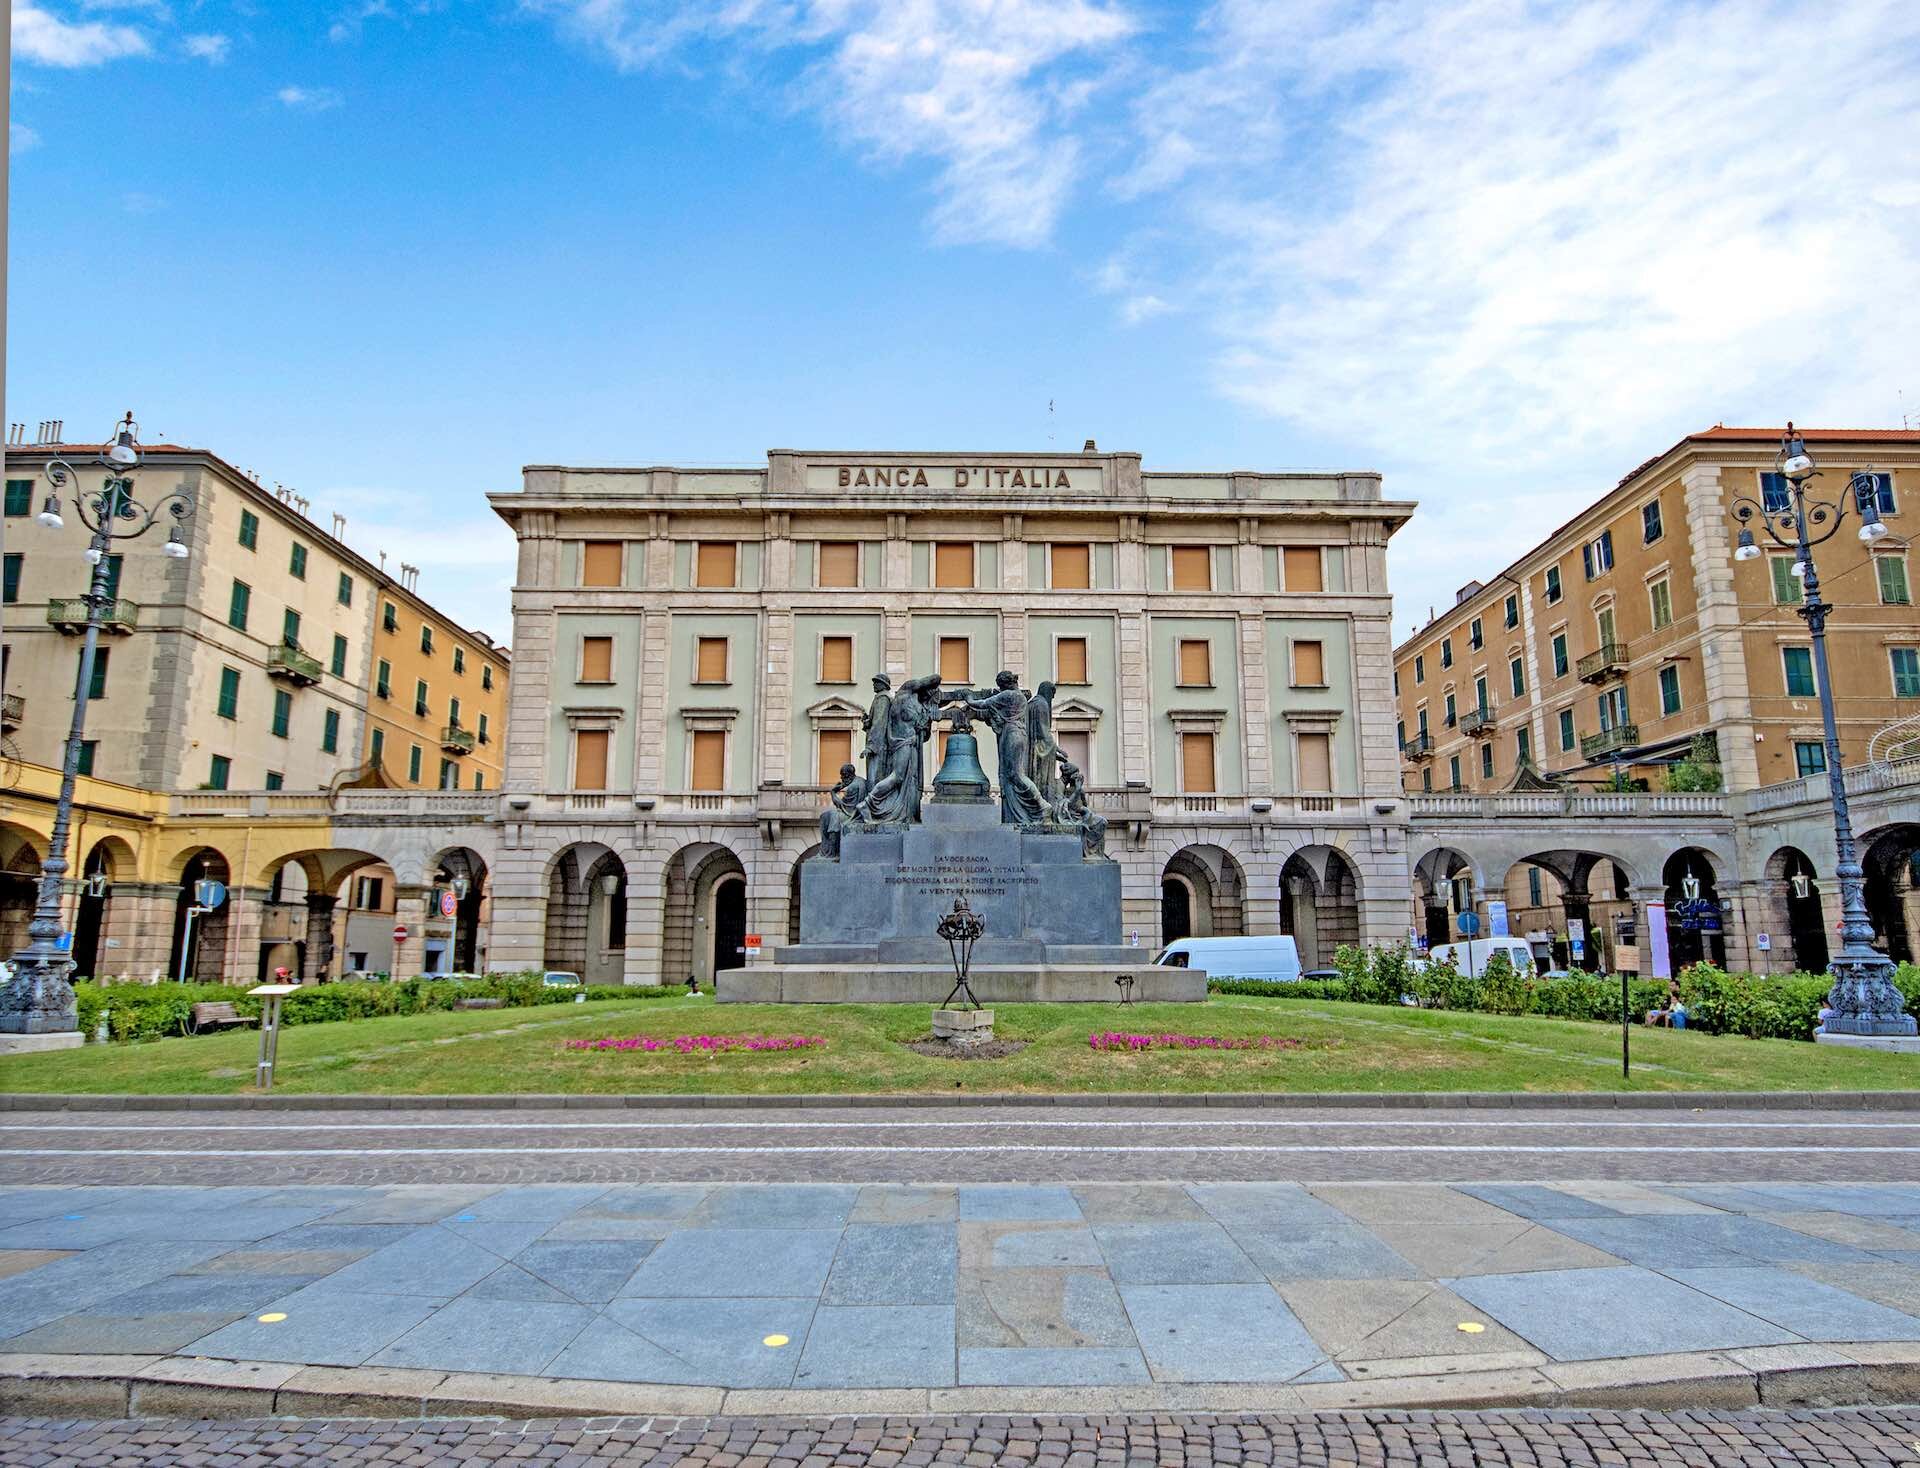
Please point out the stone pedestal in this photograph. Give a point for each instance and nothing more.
(963, 1026)
(1901, 1044)
(56, 1040)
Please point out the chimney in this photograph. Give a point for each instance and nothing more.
(339, 526)
(1088, 447)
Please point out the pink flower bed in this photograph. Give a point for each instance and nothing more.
(701, 1044)
(1120, 1040)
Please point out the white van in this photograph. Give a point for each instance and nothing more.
(1470, 958)
(1269, 957)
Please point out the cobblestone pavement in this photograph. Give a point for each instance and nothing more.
(927, 1144)
(1755, 1439)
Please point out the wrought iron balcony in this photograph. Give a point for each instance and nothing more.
(69, 614)
(288, 662)
(13, 710)
(455, 740)
(1620, 736)
(1418, 747)
(1608, 663)
(1476, 721)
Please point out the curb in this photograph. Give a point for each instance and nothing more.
(1246, 1100)
(121, 1387)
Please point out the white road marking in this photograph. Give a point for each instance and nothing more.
(1277, 1147)
(1640, 1122)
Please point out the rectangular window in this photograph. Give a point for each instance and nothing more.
(1517, 676)
(479, 779)
(1597, 556)
(449, 775)
(339, 663)
(1906, 671)
(714, 563)
(88, 749)
(1070, 660)
(596, 660)
(1316, 763)
(19, 497)
(290, 627)
(1613, 709)
(1192, 568)
(1511, 612)
(1453, 772)
(1421, 715)
(1077, 746)
(297, 562)
(413, 764)
(839, 564)
(1196, 663)
(275, 780)
(1776, 493)
(426, 639)
(459, 661)
(229, 705)
(1553, 585)
(1072, 567)
(1196, 764)
(1798, 662)
(1420, 669)
(383, 680)
(1603, 624)
(1559, 654)
(219, 769)
(1400, 733)
(1301, 568)
(420, 697)
(836, 749)
(97, 685)
(1426, 780)
(112, 581)
(1446, 652)
(1486, 761)
(1534, 898)
(1891, 572)
(1566, 729)
(709, 759)
(953, 563)
(836, 662)
(600, 563)
(1660, 598)
(249, 529)
(486, 678)
(11, 593)
(368, 892)
(1669, 690)
(378, 745)
(1523, 745)
(956, 662)
(482, 735)
(1650, 527)
(1476, 635)
(1787, 590)
(1875, 489)
(389, 619)
(237, 604)
(710, 660)
(345, 593)
(1480, 699)
(1809, 757)
(330, 732)
(1452, 715)
(1309, 665)
(282, 712)
(453, 712)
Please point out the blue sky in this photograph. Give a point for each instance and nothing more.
(386, 253)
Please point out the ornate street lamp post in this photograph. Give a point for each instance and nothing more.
(39, 1000)
(1864, 1000)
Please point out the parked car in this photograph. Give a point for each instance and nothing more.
(1271, 956)
(555, 978)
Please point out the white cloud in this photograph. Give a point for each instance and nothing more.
(139, 203)
(41, 36)
(308, 99)
(987, 91)
(212, 49)
(20, 138)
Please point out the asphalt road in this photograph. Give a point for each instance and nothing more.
(974, 1144)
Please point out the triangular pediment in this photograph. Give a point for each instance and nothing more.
(835, 708)
(1076, 708)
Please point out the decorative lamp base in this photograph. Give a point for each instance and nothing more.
(963, 1026)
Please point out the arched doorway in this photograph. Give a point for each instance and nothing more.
(109, 859)
(1694, 912)
(705, 923)
(1176, 909)
(1793, 903)
(20, 855)
(462, 873)
(1888, 857)
(1442, 890)
(586, 931)
(198, 949)
(793, 893)
(1319, 903)
(729, 922)
(1215, 892)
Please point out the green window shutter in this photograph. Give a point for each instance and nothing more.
(1786, 585)
(1519, 674)
(413, 765)
(1560, 655)
(1566, 728)
(1669, 690)
(113, 577)
(218, 769)
(249, 529)
(339, 664)
(383, 683)
(297, 562)
(290, 628)
(1906, 672)
(237, 605)
(1892, 573)
(330, 732)
(229, 693)
(19, 497)
(275, 780)
(87, 748)
(12, 588)
(379, 744)
(459, 660)
(282, 712)
(1798, 662)
(453, 712)
(420, 697)
(483, 730)
(346, 590)
(97, 685)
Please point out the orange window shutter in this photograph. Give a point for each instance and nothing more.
(839, 563)
(1309, 665)
(1077, 746)
(1195, 671)
(1192, 568)
(953, 563)
(836, 749)
(836, 660)
(596, 660)
(590, 759)
(1316, 763)
(955, 664)
(711, 663)
(715, 563)
(1302, 568)
(1070, 657)
(600, 563)
(1073, 567)
(940, 737)
(709, 759)
(1196, 763)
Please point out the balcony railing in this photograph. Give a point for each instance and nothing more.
(1552, 804)
(1475, 721)
(1609, 662)
(69, 614)
(455, 740)
(1418, 747)
(13, 710)
(288, 662)
(1620, 736)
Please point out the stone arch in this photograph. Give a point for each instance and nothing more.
(704, 912)
(793, 892)
(1319, 903)
(1799, 919)
(1445, 881)
(299, 925)
(109, 859)
(1695, 923)
(1892, 887)
(1209, 883)
(21, 852)
(451, 868)
(586, 916)
(198, 949)
(1548, 891)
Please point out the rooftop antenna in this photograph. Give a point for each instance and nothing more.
(339, 526)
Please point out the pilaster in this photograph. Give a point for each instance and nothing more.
(410, 911)
(1723, 661)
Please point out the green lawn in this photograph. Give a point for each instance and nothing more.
(1347, 1047)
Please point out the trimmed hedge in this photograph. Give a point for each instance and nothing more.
(1717, 1002)
(150, 1011)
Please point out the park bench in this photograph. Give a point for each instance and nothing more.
(217, 1015)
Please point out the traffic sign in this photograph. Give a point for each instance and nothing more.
(449, 904)
(399, 932)
(209, 893)
(1469, 924)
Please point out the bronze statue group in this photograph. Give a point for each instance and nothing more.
(1040, 788)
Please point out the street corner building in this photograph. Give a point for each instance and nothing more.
(695, 651)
